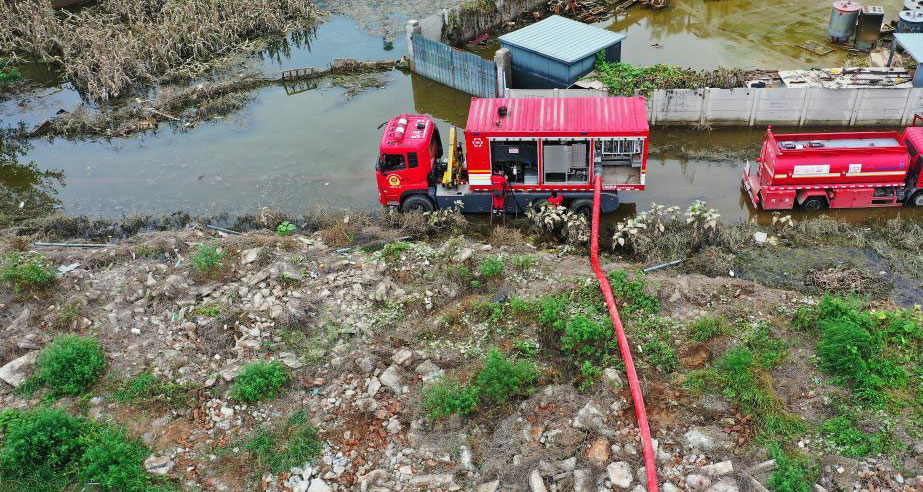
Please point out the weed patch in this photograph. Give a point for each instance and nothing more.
(28, 271)
(69, 365)
(491, 267)
(294, 443)
(792, 472)
(707, 328)
(285, 228)
(146, 389)
(392, 252)
(851, 441)
(207, 258)
(259, 381)
(448, 396)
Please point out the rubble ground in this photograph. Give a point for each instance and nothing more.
(363, 332)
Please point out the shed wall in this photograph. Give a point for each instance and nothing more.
(535, 71)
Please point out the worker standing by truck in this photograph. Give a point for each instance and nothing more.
(498, 187)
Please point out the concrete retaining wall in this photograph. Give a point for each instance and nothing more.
(457, 25)
(783, 106)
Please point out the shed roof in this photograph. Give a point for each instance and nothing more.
(561, 38)
(572, 114)
(912, 42)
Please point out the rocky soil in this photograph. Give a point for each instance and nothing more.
(362, 334)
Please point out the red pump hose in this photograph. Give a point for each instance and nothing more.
(637, 397)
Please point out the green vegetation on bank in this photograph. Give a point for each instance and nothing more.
(623, 79)
(68, 366)
(8, 73)
(49, 449)
(28, 272)
(277, 448)
(259, 381)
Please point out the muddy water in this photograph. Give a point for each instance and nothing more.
(296, 149)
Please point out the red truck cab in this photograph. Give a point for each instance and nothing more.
(410, 150)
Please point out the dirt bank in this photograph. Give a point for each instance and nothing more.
(364, 324)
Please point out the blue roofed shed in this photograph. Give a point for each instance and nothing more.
(913, 44)
(557, 51)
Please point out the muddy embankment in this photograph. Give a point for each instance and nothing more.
(437, 353)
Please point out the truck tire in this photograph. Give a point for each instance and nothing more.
(417, 203)
(916, 200)
(582, 206)
(814, 204)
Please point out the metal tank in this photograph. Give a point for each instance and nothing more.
(913, 4)
(843, 20)
(910, 21)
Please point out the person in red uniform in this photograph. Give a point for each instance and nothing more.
(555, 199)
(498, 191)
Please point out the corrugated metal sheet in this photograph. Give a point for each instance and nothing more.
(535, 115)
(562, 39)
(459, 69)
(912, 42)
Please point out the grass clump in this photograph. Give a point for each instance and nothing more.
(707, 328)
(29, 271)
(631, 295)
(259, 381)
(293, 443)
(147, 389)
(792, 472)
(851, 441)
(208, 310)
(285, 228)
(871, 352)
(8, 73)
(523, 262)
(448, 396)
(392, 252)
(207, 258)
(491, 267)
(49, 449)
(499, 381)
(624, 79)
(69, 365)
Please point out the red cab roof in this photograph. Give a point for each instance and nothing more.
(558, 115)
(407, 132)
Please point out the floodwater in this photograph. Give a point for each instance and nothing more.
(299, 149)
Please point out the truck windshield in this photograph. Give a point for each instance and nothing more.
(391, 162)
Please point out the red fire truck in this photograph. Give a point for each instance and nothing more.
(837, 170)
(538, 146)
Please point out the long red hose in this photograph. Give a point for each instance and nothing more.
(637, 397)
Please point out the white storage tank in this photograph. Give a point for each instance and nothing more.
(910, 21)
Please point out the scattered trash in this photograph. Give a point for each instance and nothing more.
(63, 269)
(662, 266)
(816, 48)
(221, 229)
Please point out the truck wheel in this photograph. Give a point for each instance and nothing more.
(417, 203)
(814, 204)
(917, 199)
(584, 207)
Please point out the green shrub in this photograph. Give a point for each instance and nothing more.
(589, 374)
(393, 251)
(708, 327)
(660, 355)
(523, 262)
(40, 443)
(552, 310)
(114, 461)
(207, 258)
(279, 448)
(285, 228)
(526, 348)
(491, 267)
(501, 379)
(852, 441)
(449, 396)
(630, 294)
(8, 73)
(145, 388)
(28, 271)
(259, 381)
(70, 364)
(791, 473)
(586, 339)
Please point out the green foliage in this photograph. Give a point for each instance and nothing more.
(259, 381)
(28, 271)
(552, 310)
(41, 443)
(114, 461)
(526, 348)
(630, 294)
(279, 448)
(285, 228)
(852, 441)
(523, 262)
(146, 389)
(208, 310)
(207, 258)
(588, 340)
(449, 396)
(392, 251)
(589, 374)
(791, 473)
(65, 316)
(708, 327)
(501, 379)
(491, 267)
(484, 6)
(867, 351)
(70, 364)
(8, 73)
(660, 355)
(623, 79)
(522, 307)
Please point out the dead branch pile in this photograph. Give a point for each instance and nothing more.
(846, 280)
(118, 44)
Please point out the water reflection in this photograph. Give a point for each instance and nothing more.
(25, 190)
